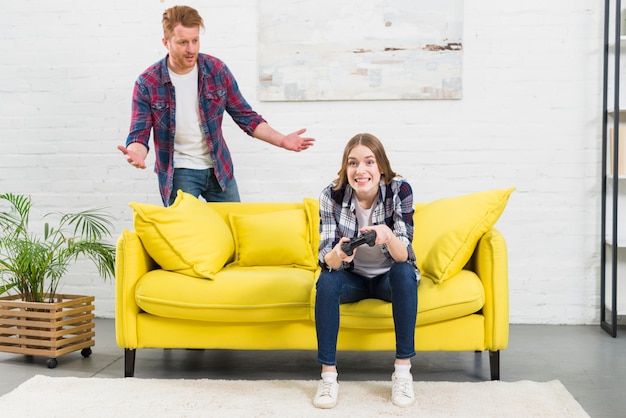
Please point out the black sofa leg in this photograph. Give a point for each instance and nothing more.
(129, 362)
(494, 364)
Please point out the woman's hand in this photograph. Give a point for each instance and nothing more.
(384, 234)
(334, 258)
(341, 255)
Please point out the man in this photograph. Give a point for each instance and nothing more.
(182, 99)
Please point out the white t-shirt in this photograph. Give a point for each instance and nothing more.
(369, 261)
(190, 148)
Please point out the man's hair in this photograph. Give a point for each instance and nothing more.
(180, 15)
(374, 144)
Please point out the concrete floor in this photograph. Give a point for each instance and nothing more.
(590, 364)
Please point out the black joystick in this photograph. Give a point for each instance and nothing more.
(368, 238)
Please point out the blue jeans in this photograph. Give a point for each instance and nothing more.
(398, 286)
(203, 183)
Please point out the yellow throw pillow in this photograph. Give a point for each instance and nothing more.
(447, 230)
(273, 239)
(189, 237)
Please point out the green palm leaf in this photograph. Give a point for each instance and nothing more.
(35, 266)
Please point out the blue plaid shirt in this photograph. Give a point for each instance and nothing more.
(154, 108)
(394, 208)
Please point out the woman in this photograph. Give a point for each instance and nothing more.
(367, 196)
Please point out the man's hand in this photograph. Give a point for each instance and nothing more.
(291, 142)
(294, 142)
(134, 155)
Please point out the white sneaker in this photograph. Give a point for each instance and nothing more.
(327, 393)
(402, 390)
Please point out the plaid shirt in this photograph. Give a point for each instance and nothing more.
(394, 208)
(154, 108)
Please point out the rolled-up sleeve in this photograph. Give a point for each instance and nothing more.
(403, 218)
(328, 226)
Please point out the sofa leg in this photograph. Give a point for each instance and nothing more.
(129, 362)
(494, 364)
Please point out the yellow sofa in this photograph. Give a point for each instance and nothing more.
(242, 276)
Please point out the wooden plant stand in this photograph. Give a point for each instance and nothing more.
(47, 329)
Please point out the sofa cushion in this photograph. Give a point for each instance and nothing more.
(273, 239)
(188, 237)
(236, 294)
(447, 230)
(462, 294)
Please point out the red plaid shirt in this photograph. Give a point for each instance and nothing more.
(154, 108)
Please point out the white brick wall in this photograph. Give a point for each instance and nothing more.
(529, 117)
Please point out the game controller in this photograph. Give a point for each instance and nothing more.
(368, 238)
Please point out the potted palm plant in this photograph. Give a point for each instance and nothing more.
(34, 318)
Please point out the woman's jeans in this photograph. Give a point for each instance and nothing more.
(398, 286)
(203, 183)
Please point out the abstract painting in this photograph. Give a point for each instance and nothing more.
(360, 50)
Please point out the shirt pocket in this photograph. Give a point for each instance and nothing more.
(214, 94)
(213, 103)
(160, 114)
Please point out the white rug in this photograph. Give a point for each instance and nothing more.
(67, 397)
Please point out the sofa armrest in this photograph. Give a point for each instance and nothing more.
(131, 263)
(490, 262)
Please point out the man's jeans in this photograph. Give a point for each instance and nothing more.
(398, 286)
(203, 183)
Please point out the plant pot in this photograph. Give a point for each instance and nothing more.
(47, 329)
